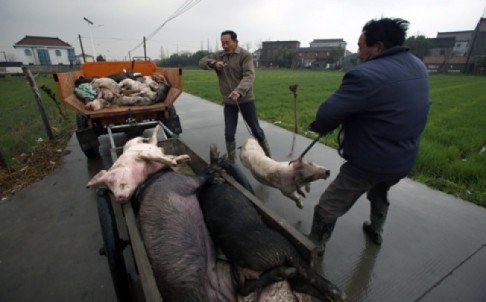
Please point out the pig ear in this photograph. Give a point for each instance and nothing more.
(97, 179)
(297, 163)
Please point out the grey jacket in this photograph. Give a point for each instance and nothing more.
(238, 74)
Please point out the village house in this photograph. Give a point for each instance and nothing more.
(34, 50)
(289, 54)
(458, 51)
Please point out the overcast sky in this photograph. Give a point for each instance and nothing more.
(120, 25)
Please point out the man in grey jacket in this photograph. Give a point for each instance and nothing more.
(236, 73)
(382, 105)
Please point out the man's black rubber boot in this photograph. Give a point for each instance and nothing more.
(320, 233)
(373, 235)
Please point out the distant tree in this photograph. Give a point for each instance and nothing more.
(419, 45)
(481, 61)
(100, 58)
(337, 54)
(184, 59)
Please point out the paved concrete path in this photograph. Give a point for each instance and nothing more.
(434, 245)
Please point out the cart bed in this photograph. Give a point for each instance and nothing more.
(65, 85)
(196, 166)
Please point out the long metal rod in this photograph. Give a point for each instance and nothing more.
(308, 148)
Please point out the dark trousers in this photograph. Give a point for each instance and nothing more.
(343, 192)
(248, 111)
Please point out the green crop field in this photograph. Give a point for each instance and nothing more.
(452, 156)
(20, 120)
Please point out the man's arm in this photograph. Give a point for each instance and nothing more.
(207, 62)
(348, 99)
(248, 71)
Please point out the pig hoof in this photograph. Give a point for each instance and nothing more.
(183, 158)
(300, 205)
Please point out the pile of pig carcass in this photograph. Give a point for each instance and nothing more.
(121, 89)
(204, 238)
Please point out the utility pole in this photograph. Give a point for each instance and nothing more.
(90, 24)
(82, 49)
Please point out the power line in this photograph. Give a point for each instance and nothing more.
(182, 9)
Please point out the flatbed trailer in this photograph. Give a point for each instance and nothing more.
(114, 245)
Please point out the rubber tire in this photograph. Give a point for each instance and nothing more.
(113, 247)
(82, 124)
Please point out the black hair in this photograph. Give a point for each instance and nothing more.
(232, 34)
(390, 31)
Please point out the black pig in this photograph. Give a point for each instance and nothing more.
(239, 231)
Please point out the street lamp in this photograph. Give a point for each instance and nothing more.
(91, 37)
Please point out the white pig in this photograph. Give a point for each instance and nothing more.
(137, 162)
(288, 178)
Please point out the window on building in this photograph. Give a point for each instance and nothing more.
(27, 52)
(71, 55)
(58, 53)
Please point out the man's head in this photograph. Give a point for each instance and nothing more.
(229, 41)
(379, 35)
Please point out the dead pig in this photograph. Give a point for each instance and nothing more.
(289, 179)
(137, 162)
(238, 230)
(177, 241)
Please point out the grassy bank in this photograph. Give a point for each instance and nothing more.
(452, 156)
(20, 119)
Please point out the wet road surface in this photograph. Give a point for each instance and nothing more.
(434, 245)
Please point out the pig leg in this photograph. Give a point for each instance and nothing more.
(98, 178)
(307, 187)
(302, 286)
(171, 160)
(153, 139)
(299, 190)
(274, 275)
(293, 195)
(156, 156)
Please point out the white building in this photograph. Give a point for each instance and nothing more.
(328, 43)
(32, 50)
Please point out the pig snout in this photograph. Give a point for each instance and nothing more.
(325, 173)
(121, 198)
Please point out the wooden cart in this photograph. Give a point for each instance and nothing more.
(114, 245)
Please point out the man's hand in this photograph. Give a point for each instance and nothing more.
(234, 95)
(313, 127)
(218, 65)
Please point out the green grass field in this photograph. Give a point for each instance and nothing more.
(20, 118)
(452, 156)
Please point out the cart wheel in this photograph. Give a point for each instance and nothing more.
(113, 246)
(82, 124)
(172, 122)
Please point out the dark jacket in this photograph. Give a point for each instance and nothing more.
(383, 106)
(238, 74)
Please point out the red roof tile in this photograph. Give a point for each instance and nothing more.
(42, 41)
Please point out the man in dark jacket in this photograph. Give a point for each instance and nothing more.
(382, 105)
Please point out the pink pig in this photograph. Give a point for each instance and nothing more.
(137, 162)
(288, 178)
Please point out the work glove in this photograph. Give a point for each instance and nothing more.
(315, 128)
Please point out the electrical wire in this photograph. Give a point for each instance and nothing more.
(182, 9)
